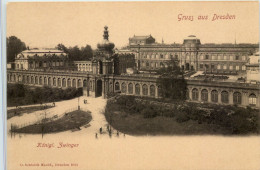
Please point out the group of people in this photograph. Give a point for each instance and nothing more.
(109, 129)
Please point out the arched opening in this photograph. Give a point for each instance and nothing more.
(195, 94)
(36, 80)
(40, 80)
(63, 82)
(187, 66)
(59, 82)
(79, 83)
(69, 82)
(152, 90)
(123, 87)
(32, 80)
(74, 83)
(54, 81)
(99, 88)
(145, 90)
(28, 79)
(85, 83)
(214, 96)
(45, 80)
(117, 86)
(237, 98)
(130, 88)
(204, 95)
(252, 99)
(224, 97)
(49, 81)
(137, 89)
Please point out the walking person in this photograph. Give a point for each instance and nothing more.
(100, 130)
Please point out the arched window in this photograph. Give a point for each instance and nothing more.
(117, 86)
(74, 83)
(14, 78)
(85, 83)
(36, 80)
(79, 83)
(45, 80)
(24, 79)
(214, 96)
(49, 81)
(224, 97)
(130, 88)
(63, 82)
(123, 87)
(204, 95)
(195, 94)
(252, 99)
(59, 82)
(40, 80)
(152, 90)
(137, 89)
(237, 98)
(69, 82)
(28, 79)
(54, 81)
(145, 90)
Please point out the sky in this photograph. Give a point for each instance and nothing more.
(46, 24)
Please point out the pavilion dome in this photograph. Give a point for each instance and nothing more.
(105, 45)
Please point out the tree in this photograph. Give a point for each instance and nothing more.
(172, 82)
(86, 53)
(62, 48)
(14, 46)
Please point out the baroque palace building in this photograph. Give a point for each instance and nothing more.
(107, 71)
(191, 55)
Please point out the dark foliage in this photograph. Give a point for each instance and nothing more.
(236, 120)
(18, 94)
(14, 46)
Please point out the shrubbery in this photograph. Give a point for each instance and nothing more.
(235, 119)
(18, 94)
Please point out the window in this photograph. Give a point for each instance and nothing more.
(137, 89)
(59, 82)
(117, 87)
(79, 83)
(64, 82)
(32, 80)
(204, 95)
(237, 98)
(54, 81)
(74, 83)
(147, 64)
(231, 58)
(207, 57)
(130, 88)
(243, 67)
(224, 66)
(224, 97)
(40, 80)
(201, 65)
(145, 90)
(195, 94)
(49, 81)
(237, 67)
(214, 96)
(21, 66)
(45, 80)
(152, 90)
(237, 57)
(252, 99)
(230, 67)
(160, 93)
(69, 83)
(161, 56)
(123, 87)
(218, 66)
(243, 57)
(18, 66)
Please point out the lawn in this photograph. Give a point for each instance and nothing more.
(133, 116)
(70, 121)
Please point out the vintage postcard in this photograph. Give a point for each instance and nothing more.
(132, 85)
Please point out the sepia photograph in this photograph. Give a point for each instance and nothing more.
(132, 85)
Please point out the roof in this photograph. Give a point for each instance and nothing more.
(40, 53)
(43, 51)
(141, 37)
